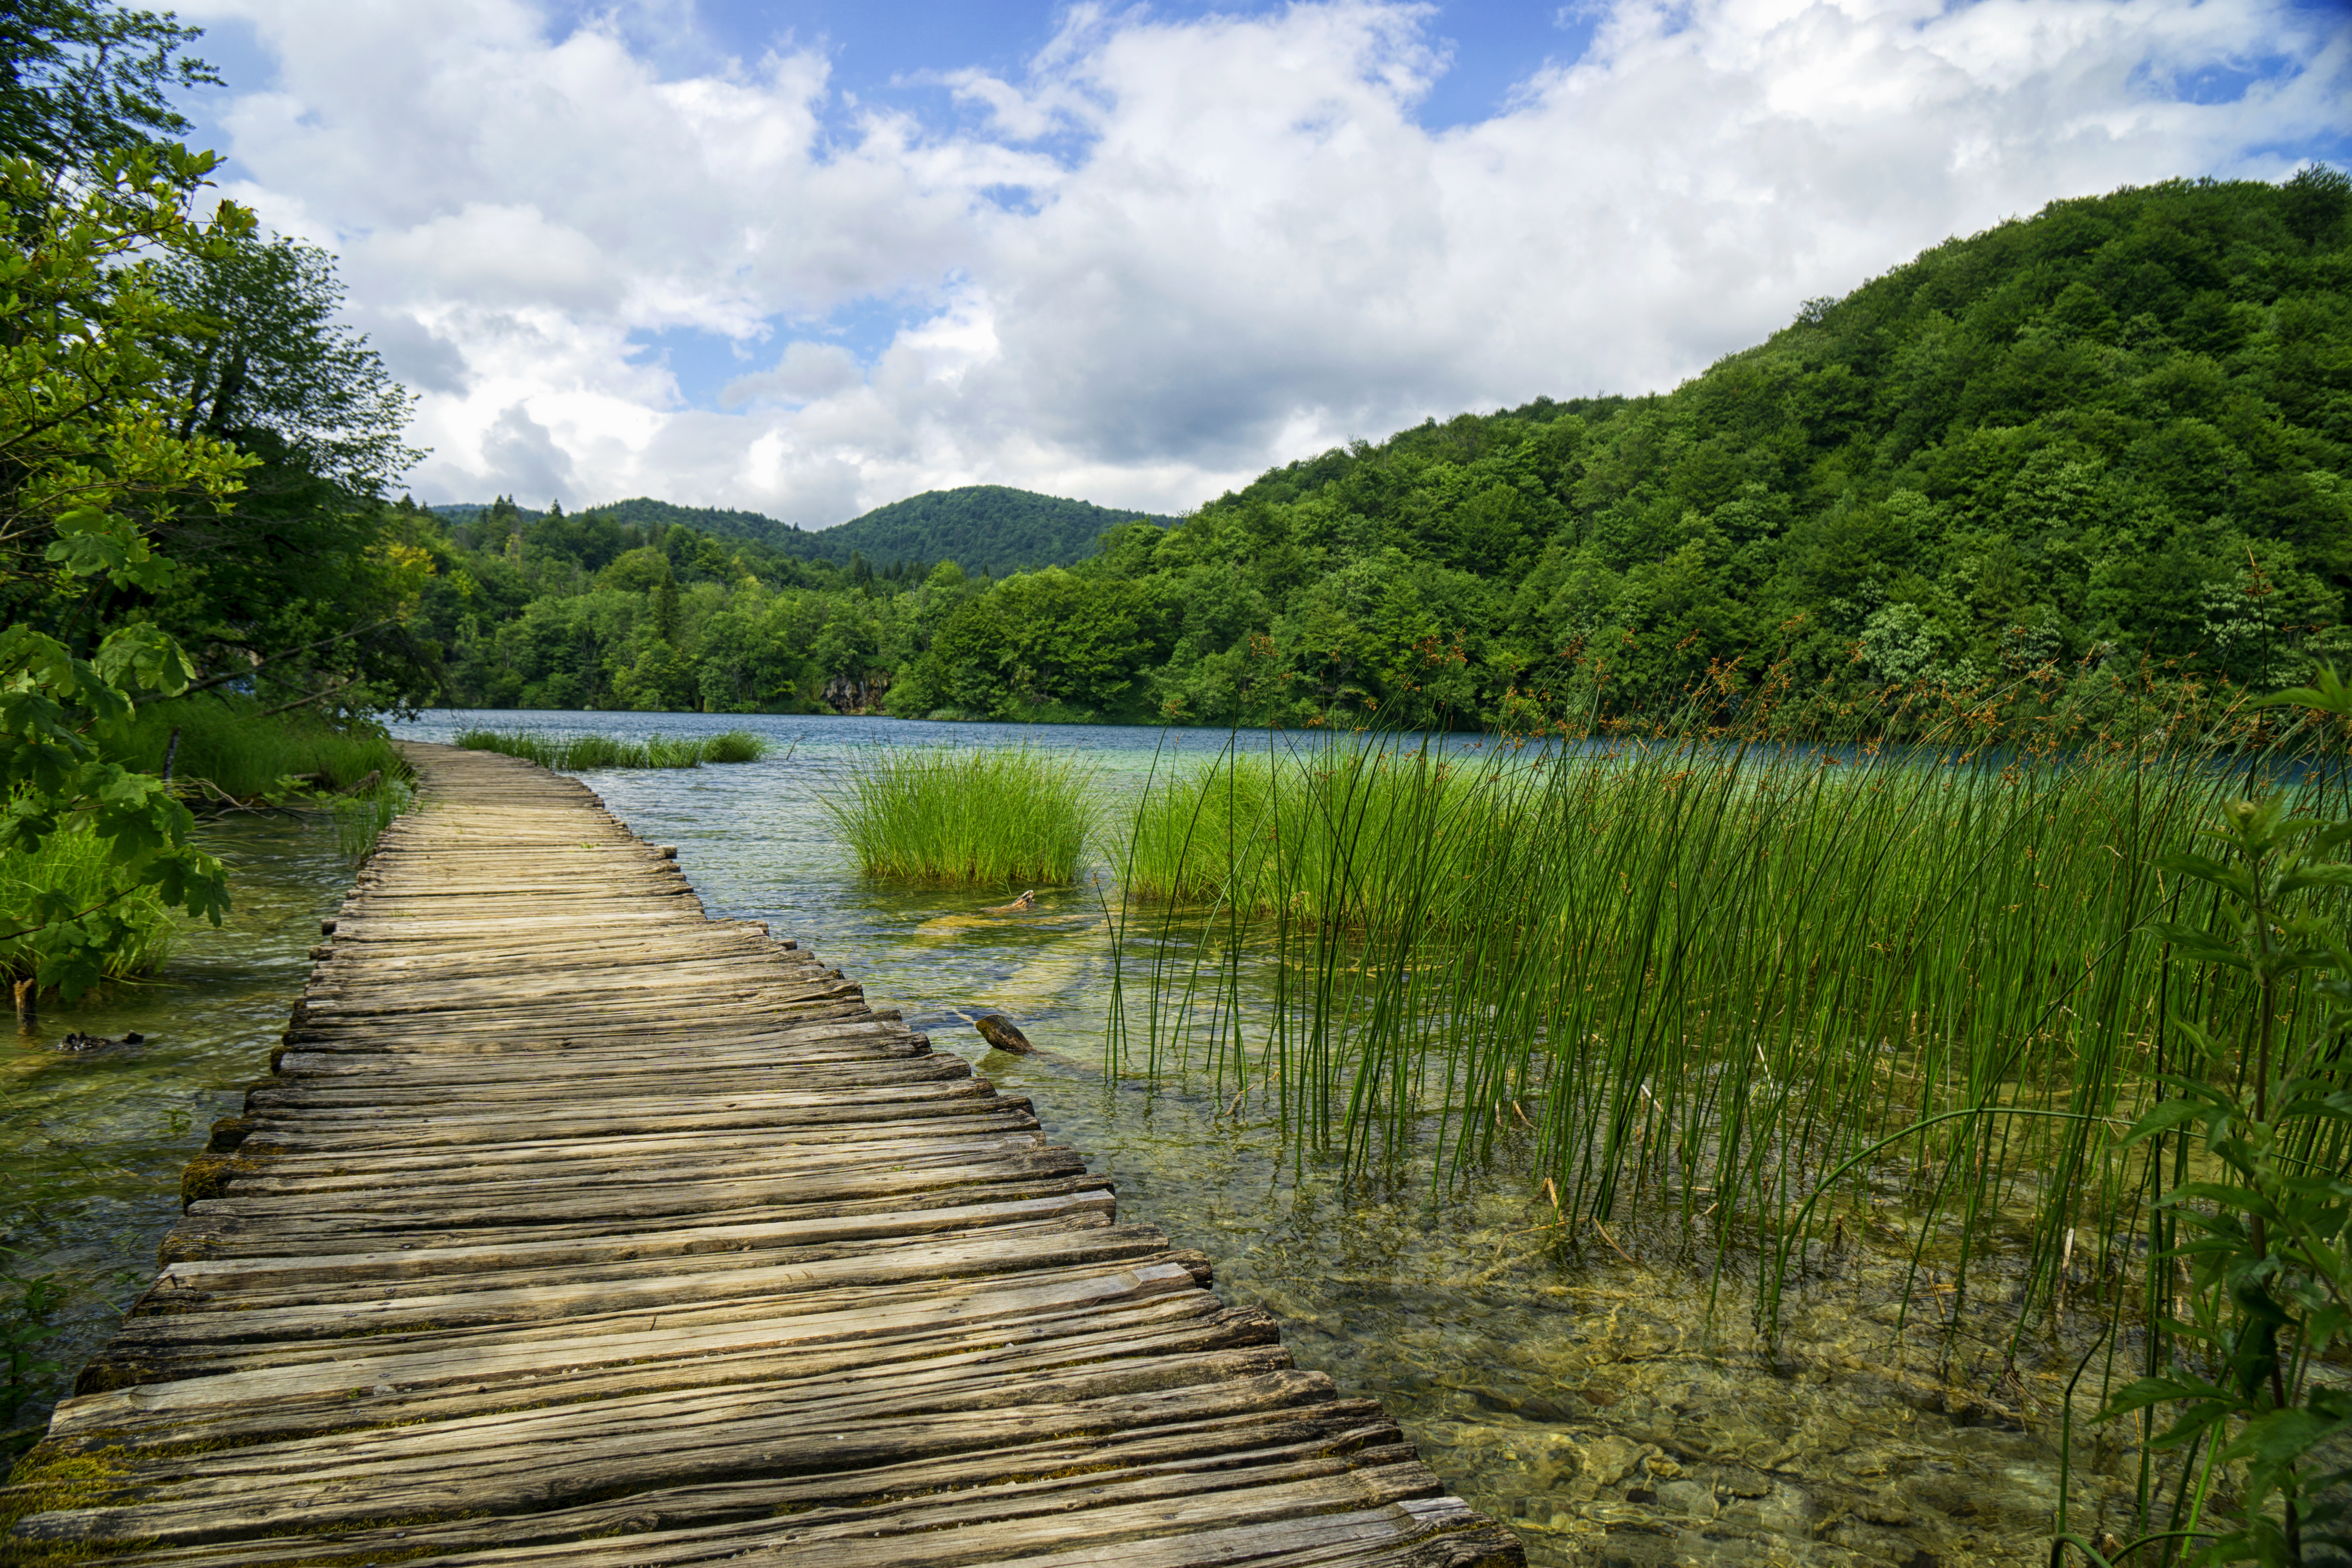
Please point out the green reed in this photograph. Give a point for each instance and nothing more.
(360, 820)
(582, 753)
(224, 747)
(982, 818)
(1729, 989)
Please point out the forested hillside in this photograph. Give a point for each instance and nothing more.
(993, 529)
(2116, 431)
(981, 528)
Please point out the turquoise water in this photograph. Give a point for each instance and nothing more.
(1579, 1391)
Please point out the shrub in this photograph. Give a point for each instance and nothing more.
(72, 863)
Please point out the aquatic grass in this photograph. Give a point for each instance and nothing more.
(734, 746)
(977, 818)
(1339, 832)
(223, 744)
(582, 753)
(1738, 989)
(360, 820)
(73, 863)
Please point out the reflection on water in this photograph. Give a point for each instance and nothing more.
(1575, 1393)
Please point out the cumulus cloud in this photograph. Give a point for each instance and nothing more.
(808, 372)
(1173, 251)
(521, 454)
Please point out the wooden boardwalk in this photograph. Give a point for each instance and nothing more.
(575, 1227)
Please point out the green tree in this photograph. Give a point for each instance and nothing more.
(85, 80)
(91, 461)
(295, 579)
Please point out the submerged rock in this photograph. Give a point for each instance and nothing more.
(78, 1042)
(1001, 1032)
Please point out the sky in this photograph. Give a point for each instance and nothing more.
(811, 257)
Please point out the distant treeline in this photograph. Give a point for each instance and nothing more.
(987, 528)
(2113, 436)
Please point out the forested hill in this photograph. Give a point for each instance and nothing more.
(981, 528)
(990, 529)
(2110, 436)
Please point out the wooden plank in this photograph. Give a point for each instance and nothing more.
(575, 1227)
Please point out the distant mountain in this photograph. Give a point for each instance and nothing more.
(644, 511)
(981, 528)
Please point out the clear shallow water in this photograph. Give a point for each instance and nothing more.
(92, 1146)
(1582, 1397)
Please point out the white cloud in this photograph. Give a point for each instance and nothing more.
(1252, 250)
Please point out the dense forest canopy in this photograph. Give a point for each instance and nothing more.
(991, 529)
(2116, 431)
(994, 529)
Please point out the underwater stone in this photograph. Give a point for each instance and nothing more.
(1607, 1461)
(1688, 1499)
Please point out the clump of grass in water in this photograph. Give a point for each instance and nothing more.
(360, 820)
(1692, 983)
(979, 818)
(582, 753)
(734, 746)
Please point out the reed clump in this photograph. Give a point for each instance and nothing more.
(978, 817)
(1735, 990)
(583, 754)
(360, 820)
(228, 750)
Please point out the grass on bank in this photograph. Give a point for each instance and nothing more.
(73, 862)
(581, 753)
(981, 817)
(244, 754)
(226, 752)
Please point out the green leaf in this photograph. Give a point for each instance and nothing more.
(2326, 694)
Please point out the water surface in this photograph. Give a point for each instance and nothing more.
(92, 1144)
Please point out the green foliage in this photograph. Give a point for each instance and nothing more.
(227, 747)
(991, 528)
(2259, 1120)
(582, 753)
(301, 585)
(128, 931)
(987, 528)
(81, 79)
(93, 465)
(992, 817)
(2109, 442)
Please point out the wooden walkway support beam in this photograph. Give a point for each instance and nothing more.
(576, 1228)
